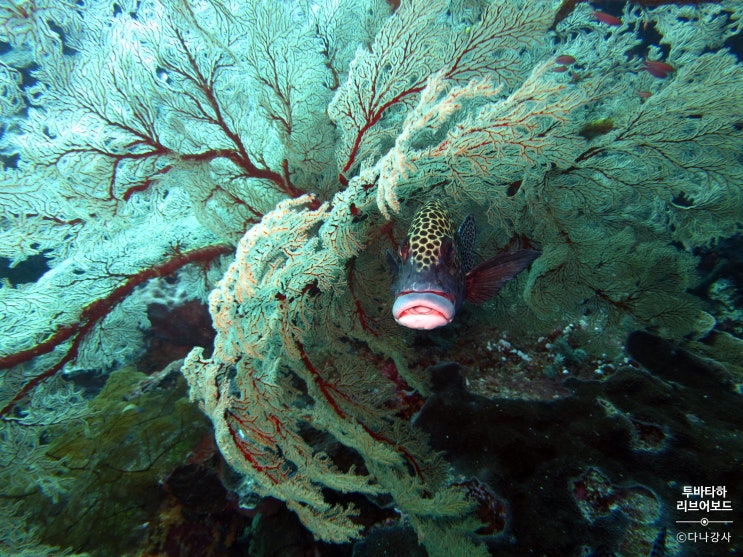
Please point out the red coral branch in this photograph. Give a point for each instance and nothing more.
(326, 388)
(357, 303)
(239, 156)
(373, 118)
(94, 313)
(147, 146)
(321, 383)
(397, 446)
(252, 454)
(146, 184)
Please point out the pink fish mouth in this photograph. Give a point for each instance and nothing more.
(423, 310)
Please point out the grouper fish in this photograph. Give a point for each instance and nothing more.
(435, 271)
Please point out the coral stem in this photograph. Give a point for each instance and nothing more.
(93, 313)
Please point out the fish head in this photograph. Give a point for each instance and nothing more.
(430, 285)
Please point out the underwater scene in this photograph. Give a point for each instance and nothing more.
(361, 278)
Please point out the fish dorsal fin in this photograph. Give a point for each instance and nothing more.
(484, 281)
(466, 237)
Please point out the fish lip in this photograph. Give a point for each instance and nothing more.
(423, 310)
(441, 293)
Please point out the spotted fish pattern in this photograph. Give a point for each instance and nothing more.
(432, 227)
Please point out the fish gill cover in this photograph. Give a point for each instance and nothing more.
(144, 143)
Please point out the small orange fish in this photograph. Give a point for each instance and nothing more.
(607, 19)
(565, 60)
(658, 69)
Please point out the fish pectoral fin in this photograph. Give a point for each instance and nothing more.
(485, 280)
(392, 262)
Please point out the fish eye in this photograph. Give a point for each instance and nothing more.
(404, 251)
(447, 251)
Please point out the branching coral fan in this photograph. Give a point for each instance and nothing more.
(145, 139)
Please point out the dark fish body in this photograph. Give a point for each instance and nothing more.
(436, 273)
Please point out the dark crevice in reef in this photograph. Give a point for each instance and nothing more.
(645, 433)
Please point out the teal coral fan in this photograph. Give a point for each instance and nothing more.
(145, 139)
